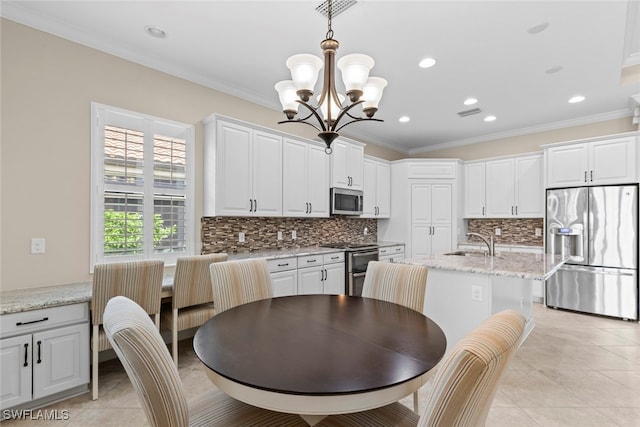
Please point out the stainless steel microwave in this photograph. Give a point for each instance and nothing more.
(346, 202)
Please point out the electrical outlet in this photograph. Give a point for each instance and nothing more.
(366, 231)
(476, 293)
(294, 235)
(279, 235)
(37, 245)
(498, 231)
(538, 232)
(241, 237)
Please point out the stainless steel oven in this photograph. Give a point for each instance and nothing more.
(357, 259)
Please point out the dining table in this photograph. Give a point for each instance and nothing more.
(318, 355)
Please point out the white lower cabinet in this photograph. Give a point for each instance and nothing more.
(321, 274)
(284, 276)
(391, 253)
(43, 352)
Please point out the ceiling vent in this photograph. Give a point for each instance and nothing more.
(471, 112)
(337, 7)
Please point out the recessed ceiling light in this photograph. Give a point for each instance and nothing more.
(156, 32)
(576, 99)
(404, 119)
(489, 118)
(427, 62)
(470, 101)
(554, 70)
(538, 28)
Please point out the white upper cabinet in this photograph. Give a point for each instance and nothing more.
(305, 179)
(347, 163)
(377, 189)
(609, 161)
(474, 190)
(504, 188)
(243, 170)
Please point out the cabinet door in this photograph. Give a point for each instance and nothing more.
(441, 204)
(500, 188)
(612, 161)
(310, 280)
(529, 193)
(318, 178)
(369, 188)
(15, 387)
(334, 279)
(285, 283)
(339, 165)
(295, 179)
(420, 240)
(567, 165)
(441, 239)
(421, 203)
(355, 165)
(474, 190)
(267, 174)
(60, 359)
(383, 189)
(233, 187)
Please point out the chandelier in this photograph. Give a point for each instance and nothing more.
(331, 113)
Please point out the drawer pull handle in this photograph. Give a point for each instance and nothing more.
(283, 265)
(44, 319)
(39, 346)
(312, 260)
(335, 257)
(26, 355)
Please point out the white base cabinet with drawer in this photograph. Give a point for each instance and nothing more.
(284, 276)
(391, 253)
(321, 274)
(43, 353)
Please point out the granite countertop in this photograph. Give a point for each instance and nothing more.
(18, 300)
(508, 264)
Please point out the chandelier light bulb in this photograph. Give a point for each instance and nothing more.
(287, 93)
(335, 108)
(355, 72)
(304, 73)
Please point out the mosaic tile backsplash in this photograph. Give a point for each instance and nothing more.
(220, 234)
(513, 231)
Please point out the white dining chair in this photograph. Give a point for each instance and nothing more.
(240, 282)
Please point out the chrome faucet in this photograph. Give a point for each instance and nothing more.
(490, 243)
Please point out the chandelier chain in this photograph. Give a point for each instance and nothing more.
(329, 16)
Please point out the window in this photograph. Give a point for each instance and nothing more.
(142, 182)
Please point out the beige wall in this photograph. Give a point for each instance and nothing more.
(532, 142)
(47, 85)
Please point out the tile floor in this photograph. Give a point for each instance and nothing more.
(573, 370)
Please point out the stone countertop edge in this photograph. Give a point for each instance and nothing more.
(19, 300)
(499, 245)
(508, 264)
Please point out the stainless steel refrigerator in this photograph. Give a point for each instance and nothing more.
(598, 228)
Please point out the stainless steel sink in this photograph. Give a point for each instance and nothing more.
(468, 253)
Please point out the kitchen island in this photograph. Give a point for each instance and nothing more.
(466, 287)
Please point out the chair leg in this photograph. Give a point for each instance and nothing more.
(174, 336)
(94, 362)
(416, 408)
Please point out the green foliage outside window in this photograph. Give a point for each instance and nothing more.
(123, 232)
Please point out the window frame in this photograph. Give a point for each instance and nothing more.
(102, 115)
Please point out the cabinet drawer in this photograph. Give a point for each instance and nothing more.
(309, 260)
(333, 258)
(282, 264)
(37, 320)
(391, 250)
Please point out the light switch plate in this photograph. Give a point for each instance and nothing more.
(294, 235)
(279, 235)
(241, 237)
(37, 245)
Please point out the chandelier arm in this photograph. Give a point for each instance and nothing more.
(303, 122)
(314, 113)
(344, 111)
(359, 119)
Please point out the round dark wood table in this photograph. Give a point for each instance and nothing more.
(317, 355)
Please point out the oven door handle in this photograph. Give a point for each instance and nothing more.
(357, 275)
(361, 254)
